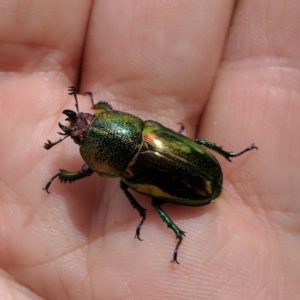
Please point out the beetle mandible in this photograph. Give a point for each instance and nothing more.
(149, 158)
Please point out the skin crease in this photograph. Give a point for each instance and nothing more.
(228, 71)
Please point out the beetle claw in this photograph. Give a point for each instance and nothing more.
(48, 145)
(180, 238)
(138, 230)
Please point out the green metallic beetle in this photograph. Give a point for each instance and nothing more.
(148, 157)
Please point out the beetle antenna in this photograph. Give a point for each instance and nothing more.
(49, 144)
(73, 91)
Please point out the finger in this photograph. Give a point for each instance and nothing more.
(38, 36)
(255, 97)
(158, 58)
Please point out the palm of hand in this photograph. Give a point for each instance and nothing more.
(78, 243)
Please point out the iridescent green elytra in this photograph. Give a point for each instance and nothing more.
(148, 157)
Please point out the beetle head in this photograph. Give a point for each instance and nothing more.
(78, 124)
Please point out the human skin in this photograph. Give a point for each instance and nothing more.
(230, 72)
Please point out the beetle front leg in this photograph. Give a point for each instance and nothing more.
(142, 211)
(178, 232)
(66, 176)
(218, 149)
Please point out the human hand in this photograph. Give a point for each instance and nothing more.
(228, 72)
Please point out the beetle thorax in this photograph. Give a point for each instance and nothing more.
(80, 127)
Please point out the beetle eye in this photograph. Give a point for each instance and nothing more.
(64, 128)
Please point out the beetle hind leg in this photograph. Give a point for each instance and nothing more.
(178, 232)
(224, 153)
(142, 211)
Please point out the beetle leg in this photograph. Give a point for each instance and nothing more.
(178, 232)
(66, 176)
(73, 91)
(142, 211)
(102, 105)
(218, 149)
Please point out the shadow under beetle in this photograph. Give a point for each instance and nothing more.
(148, 157)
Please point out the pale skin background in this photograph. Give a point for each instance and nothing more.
(229, 71)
